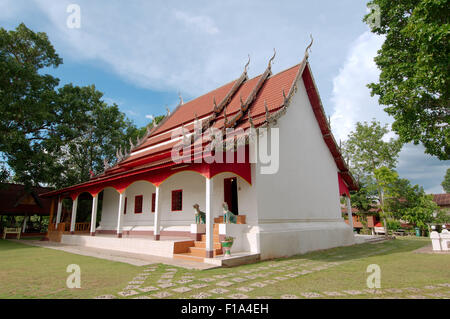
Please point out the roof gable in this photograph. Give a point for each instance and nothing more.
(239, 104)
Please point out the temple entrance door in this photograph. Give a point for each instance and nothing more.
(231, 194)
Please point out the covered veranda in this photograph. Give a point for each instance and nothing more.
(155, 180)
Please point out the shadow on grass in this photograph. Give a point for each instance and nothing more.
(9, 245)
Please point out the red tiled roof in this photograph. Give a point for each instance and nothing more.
(185, 113)
(442, 199)
(270, 93)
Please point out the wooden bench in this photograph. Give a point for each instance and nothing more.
(400, 232)
(11, 231)
(379, 230)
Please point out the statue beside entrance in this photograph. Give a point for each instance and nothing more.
(228, 216)
(200, 217)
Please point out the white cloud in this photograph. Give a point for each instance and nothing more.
(202, 23)
(353, 103)
(149, 116)
(194, 47)
(351, 97)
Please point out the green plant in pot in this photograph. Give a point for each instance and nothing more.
(226, 245)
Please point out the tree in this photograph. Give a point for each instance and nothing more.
(414, 79)
(48, 135)
(367, 152)
(385, 180)
(80, 144)
(26, 96)
(446, 182)
(404, 201)
(365, 199)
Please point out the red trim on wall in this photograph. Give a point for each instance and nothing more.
(138, 201)
(343, 189)
(177, 200)
(156, 176)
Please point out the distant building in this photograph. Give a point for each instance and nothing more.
(443, 201)
(15, 200)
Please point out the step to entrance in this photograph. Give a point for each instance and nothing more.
(201, 252)
(202, 244)
(196, 250)
(187, 256)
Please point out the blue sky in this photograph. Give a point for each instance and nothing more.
(142, 53)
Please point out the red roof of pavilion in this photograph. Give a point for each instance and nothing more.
(15, 200)
(442, 199)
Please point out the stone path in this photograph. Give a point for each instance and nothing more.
(253, 281)
(238, 284)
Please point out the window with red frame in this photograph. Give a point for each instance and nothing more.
(153, 202)
(138, 204)
(177, 200)
(125, 206)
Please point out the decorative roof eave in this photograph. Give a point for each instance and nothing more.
(252, 96)
(217, 109)
(272, 119)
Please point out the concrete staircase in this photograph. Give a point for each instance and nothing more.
(197, 251)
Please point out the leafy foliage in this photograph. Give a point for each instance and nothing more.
(415, 74)
(406, 202)
(366, 197)
(49, 135)
(446, 182)
(367, 151)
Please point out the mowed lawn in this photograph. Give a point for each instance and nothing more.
(32, 272)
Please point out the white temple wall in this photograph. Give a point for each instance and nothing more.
(298, 207)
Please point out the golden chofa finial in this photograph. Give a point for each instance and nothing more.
(271, 59)
(250, 120)
(246, 66)
(308, 48)
(181, 98)
(267, 111)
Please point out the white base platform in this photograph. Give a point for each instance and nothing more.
(138, 245)
(287, 239)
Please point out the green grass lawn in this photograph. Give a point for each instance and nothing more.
(33, 272)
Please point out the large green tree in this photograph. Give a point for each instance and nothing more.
(48, 134)
(85, 139)
(26, 95)
(415, 72)
(367, 151)
(407, 202)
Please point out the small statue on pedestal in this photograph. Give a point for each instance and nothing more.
(200, 217)
(228, 217)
